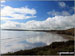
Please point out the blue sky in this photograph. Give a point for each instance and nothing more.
(41, 9)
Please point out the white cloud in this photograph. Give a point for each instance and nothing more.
(3, 1)
(57, 22)
(9, 24)
(57, 13)
(62, 4)
(17, 13)
(2, 5)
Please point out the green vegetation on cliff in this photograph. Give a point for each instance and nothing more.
(52, 49)
(67, 32)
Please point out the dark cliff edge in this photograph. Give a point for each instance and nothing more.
(66, 32)
(52, 49)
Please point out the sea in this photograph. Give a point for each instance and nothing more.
(12, 41)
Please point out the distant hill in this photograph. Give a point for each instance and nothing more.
(52, 49)
(67, 32)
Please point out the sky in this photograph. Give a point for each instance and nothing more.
(37, 15)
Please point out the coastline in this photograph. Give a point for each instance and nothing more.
(51, 49)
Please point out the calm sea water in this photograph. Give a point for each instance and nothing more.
(19, 40)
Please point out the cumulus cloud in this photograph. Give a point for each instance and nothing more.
(2, 5)
(10, 24)
(62, 4)
(57, 22)
(8, 12)
(57, 13)
(3, 1)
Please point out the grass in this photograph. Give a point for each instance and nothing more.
(52, 49)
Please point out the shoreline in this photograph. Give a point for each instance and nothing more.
(67, 34)
(55, 47)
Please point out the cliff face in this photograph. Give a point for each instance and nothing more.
(66, 32)
(52, 49)
(70, 31)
